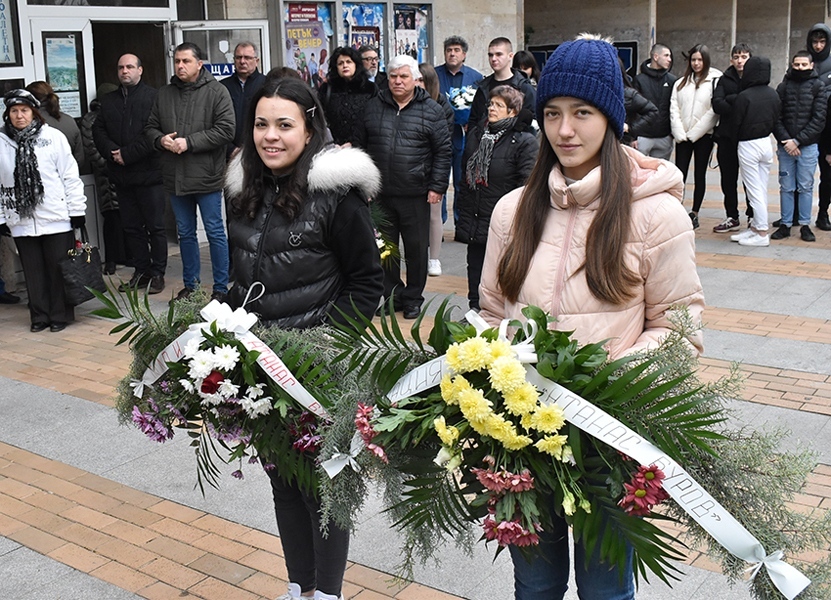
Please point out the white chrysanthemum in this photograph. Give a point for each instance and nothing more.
(255, 391)
(256, 408)
(228, 389)
(192, 347)
(226, 357)
(201, 364)
(187, 384)
(210, 399)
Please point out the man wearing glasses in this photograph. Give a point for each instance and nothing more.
(369, 56)
(242, 85)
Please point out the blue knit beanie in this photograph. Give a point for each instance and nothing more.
(587, 69)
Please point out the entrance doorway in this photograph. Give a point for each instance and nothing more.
(145, 40)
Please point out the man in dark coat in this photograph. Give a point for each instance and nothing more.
(191, 124)
(406, 134)
(133, 168)
(500, 57)
(242, 85)
(724, 96)
(819, 45)
(655, 83)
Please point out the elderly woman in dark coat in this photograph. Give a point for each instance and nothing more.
(345, 94)
(497, 159)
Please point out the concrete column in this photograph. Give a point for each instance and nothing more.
(765, 25)
(682, 25)
(804, 14)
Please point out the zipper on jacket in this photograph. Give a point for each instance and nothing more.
(559, 282)
(261, 243)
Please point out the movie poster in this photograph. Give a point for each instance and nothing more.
(306, 49)
(411, 37)
(364, 36)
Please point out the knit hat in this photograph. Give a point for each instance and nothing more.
(586, 68)
(20, 97)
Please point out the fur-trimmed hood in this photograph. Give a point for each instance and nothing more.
(334, 169)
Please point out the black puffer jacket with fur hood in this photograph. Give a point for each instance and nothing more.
(323, 260)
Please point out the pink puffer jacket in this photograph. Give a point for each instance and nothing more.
(661, 249)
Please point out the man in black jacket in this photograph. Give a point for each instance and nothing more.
(798, 130)
(724, 96)
(242, 85)
(500, 57)
(406, 134)
(819, 45)
(655, 82)
(133, 168)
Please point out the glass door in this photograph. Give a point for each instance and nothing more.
(219, 38)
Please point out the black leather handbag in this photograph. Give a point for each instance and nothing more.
(81, 269)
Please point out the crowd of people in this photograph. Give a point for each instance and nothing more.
(562, 190)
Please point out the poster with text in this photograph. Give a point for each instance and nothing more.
(61, 62)
(305, 48)
(364, 36)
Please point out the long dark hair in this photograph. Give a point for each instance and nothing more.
(608, 277)
(525, 60)
(431, 80)
(49, 101)
(293, 192)
(361, 77)
(689, 74)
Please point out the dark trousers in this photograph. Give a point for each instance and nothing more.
(312, 561)
(824, 185)
(475, 260)
(40, 256)
(409, 219)
(115, 246)
(684, 153)
(142, 216)
(727, 154)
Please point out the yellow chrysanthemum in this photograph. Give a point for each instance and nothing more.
(447, 434)
(451, 387)
(548, 418)
(480, 426)
(522, 401)
(517, 442)
(526, 421)
(453, 358)
(499, 429)
(474, 405)
(500, 348)
(506, 374)
(552, 444)
(474, 354)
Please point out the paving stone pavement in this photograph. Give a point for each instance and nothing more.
(94, 511)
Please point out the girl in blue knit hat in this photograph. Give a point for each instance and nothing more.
(598, 238)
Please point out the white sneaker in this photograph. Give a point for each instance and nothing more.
(321, 596)
(434, 267)
(755, 240)
(744, 234)
(293, 593)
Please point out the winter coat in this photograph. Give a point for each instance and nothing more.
(203, 114)
(241, 98)
(804, 104)
(660, 250)
(410, 145)
(691, 113)
(757, 106)
(656, 85)
(120, 126)
(822, 60)
(464, 77)
(449, 113)
(63, 190)
(724, 97)
(518, 80)
(344, 103)
(641, 114)
(104, 189)
(67, 126)
(325, 260)
(511, 163)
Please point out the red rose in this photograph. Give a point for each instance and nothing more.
(211, 383)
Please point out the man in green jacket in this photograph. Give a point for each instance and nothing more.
(191, 124)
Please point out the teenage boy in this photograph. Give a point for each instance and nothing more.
(500, 57)
(818, 46)
(756, 113)
(798, 130)
(724, 97)
(655, 83)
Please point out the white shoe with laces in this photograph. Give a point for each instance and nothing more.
(321, 596)
(293, 593)
(755, 240)
(736, 237)
(434, 267)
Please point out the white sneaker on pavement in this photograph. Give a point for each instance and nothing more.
(321, 596)
(293, 593)
(434, 267)
(755, 240)
(744, 234)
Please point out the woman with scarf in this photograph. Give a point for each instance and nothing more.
(497, 159)
(42, 200)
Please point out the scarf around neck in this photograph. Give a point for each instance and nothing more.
(480, 163)
(28, 186)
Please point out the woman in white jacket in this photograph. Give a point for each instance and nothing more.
(42, 200)
(692, 119)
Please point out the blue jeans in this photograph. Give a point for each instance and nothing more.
(210, 207)
(545, 577)
(796, 173)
